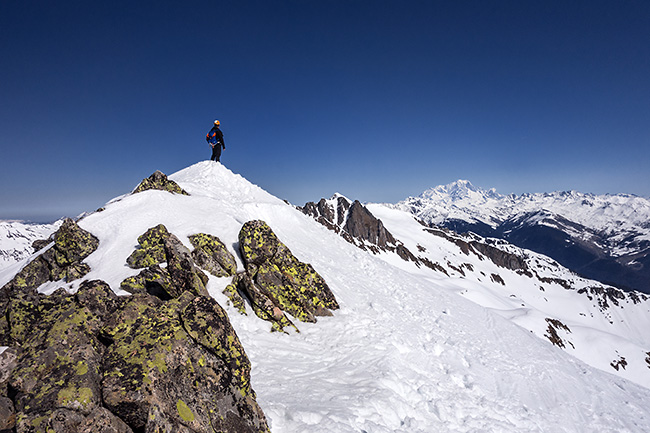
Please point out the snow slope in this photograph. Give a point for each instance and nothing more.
(601, 331)
(403, 354)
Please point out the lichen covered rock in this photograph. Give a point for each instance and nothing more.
(234, 296)
(59, 363)
(178, 365)
(151, 248)
(153, 280)
(63, 260)
(96, 362)
(184, 274)
(212, 255)
(158, 180)
(276, 281)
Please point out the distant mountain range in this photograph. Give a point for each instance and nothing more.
(17, 237)
(602, 237)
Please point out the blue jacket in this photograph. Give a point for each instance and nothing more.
(215, 136)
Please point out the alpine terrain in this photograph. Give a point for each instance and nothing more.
(198, 302)
(603, 237)
(16, 239)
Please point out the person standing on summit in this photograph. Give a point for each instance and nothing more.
(215, 140)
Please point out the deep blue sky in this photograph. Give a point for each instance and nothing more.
(377, 100)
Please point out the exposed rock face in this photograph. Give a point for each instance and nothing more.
(362, 224)
(63, 260)
(159, 181)
(94, 361)
(357, 225)
(151, 250)
(275, 281)
(212, 255)
(153, 280)
(185, 276)
(468, 245)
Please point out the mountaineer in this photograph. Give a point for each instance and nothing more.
(215, 140)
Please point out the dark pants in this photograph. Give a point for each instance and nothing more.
(216, 152)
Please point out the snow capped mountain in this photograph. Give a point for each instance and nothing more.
(605, 237)
(17, 237)
(446, 348)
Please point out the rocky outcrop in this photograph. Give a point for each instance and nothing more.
(94, 361)
(361, 224)
(183, 271)
(159, 181)
(483, 250)
(212, 255)
(164, 359)
(153, 280)
(275, 282)
(185, 275)
(357, 225)
(151, 248)
(64, 260)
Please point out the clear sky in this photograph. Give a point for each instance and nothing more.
(377, 100)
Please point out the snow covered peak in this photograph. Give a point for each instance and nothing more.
(337, 196)
(459, 191)
(213, 180)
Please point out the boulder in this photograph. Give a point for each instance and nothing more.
(59, 364)
(96, 362)
(276, 281)
(158, 180)
(153, 280)
(212, 255)
(72, 244)
(151, 248)
(178, 366)
(184, 274)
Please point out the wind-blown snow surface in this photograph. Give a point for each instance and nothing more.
(403, 354)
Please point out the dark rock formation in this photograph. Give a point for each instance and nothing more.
(151, 248)
(94, 361)
(361, 224)
(164, 359)
(159, 181)
(483, 250)
(357, 225)
(153, 280)
(184, 274)
(63, 260)
(212, 255)
(275, 281)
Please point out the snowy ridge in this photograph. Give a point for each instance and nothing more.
(407, 351)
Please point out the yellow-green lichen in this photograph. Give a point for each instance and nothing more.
(74, 398)
(184, 411)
